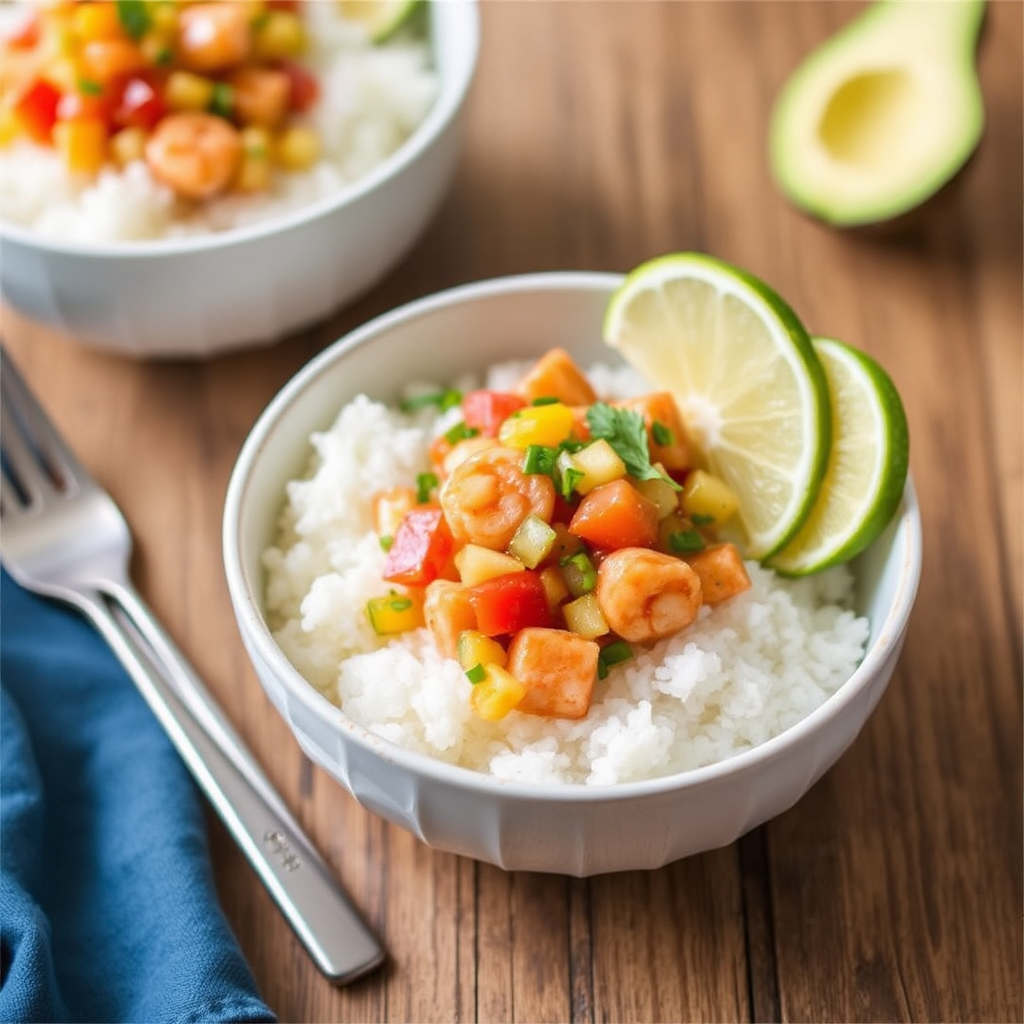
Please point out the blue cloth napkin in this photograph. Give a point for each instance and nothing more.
(108, 910)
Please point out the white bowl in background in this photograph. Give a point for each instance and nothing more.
(203, 294)
(576, 830)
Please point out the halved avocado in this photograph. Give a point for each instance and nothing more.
(883, 114)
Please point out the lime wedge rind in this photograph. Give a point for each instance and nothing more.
(852, 512)
(381, 18)
(674, 349)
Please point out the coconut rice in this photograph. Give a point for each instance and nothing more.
(372, 99)
(742, 673)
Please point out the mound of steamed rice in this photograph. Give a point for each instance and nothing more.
(372, 99)
(740, 675)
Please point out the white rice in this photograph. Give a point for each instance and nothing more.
(743, 673)
(372, 99)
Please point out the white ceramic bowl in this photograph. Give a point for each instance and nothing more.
(211, 293)
(577, 830)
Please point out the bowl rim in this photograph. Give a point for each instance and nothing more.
(441, 114)
(252, 623)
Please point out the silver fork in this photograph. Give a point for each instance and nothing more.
(64, 538)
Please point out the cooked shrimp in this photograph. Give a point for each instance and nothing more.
(488, 496)
(212, 37)
(646, 595)
(197, 155)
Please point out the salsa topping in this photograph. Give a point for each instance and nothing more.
(551, 533)
(210, 95)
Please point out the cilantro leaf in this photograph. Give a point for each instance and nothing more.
(134, 17)
(626, 432)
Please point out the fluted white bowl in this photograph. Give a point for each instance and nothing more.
(253, 285)
(576, 830)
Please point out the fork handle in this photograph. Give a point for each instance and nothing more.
(274, 843)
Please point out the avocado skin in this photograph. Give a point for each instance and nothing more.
(888, 34)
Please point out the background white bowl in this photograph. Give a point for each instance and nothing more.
(199, 295)
(570, 829)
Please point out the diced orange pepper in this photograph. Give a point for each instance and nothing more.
(555, 375)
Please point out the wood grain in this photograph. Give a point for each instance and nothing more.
(600, 134)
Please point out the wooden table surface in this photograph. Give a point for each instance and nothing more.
(601, 134)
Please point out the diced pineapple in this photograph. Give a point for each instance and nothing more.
(532, 541)
(585, 618)
(708, 497)
(473, 648)
(82, 144)
(721, 571)
(185, 91)
(448, 612)
(128, 145)
(496, 694)
(280, 34)
(395, 613)
(661, 492)
(555, 375)
(558, 670)
(298, 148)
(555, 589)
(546, 425)
(390, 507)
(599, 465)
(476, 564)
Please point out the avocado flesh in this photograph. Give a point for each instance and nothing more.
(883, 114)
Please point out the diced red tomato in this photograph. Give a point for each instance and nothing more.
(507, 604)
(421, 548)
(487, 410)
(140, 104)
(304, 89)
(25, 35)
(36, 109)
(614, 516)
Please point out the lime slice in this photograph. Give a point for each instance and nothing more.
(867, 467)
(380, 18)
(744, 374)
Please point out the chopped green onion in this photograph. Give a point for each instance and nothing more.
(400, 604)
(87, 87)
(614, 654)
(134, 17)
(425, 483)
(701, 519)
(570, 478)
(685, 541)
(476, 674)
(222, 99)
(440, 399)
(460, 432)
(539, 459)
(546, 400)
(661, 434)
(579, 573)
(386, 541)
(164, 56)
(571, 445)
